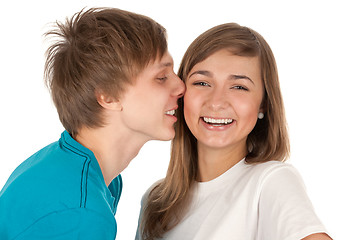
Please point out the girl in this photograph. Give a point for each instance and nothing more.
(227, 178)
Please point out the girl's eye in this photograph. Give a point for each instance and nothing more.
(201, 84)
(240, 88)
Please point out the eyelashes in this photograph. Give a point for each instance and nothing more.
(162, 78)
(235, 87)
(239, 87)
(204, 84)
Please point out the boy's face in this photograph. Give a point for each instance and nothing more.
(149, 104)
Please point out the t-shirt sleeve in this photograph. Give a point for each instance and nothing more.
(285, 211)
(143, 204)
(138, 231)
(80, 223)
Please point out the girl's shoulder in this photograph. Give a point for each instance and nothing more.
(270, 167)
(145, 195)
(264, 172)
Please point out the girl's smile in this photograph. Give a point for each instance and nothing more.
(223, 99)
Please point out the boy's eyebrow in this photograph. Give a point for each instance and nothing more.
(166, 64)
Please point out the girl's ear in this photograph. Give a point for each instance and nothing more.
(108, 102)
(263, 107)
(261, 112)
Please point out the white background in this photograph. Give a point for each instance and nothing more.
(316, 47)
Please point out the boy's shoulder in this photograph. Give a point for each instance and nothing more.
(56, 178)
(42, 178)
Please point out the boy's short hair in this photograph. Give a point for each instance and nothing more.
(99, 50)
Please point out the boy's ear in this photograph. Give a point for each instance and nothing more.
(108, 102)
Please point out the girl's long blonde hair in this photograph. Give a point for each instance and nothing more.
(168, 201)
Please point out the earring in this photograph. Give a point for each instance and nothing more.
(260, 115)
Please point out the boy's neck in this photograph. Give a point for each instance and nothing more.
(113, 150)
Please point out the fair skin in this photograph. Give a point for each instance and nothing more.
(227, 89)
(144, 112)
(221, 105)
(318, 236)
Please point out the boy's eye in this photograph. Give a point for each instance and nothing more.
(162, 78)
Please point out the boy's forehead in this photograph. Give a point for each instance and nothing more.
(157, 65)
(165, 61)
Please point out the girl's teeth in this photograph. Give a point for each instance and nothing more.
(218, 121)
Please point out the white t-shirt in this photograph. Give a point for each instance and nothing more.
(266, 201)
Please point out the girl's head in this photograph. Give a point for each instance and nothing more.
(268, 140)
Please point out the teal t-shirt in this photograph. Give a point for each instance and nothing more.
(59, 193)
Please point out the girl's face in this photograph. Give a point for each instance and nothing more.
(223, 99)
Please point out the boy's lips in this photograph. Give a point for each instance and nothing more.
(172, 111)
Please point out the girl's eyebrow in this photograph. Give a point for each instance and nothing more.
(202, 72)
(235, 77)
(231, 77)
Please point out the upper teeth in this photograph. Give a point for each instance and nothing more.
(171, 112)
(223, 120)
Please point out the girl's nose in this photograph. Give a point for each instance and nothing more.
(217, 100)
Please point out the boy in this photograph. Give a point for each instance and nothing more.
(112, 81)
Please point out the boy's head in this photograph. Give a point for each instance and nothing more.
(98, 51)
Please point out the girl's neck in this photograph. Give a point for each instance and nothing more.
(213, 162)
